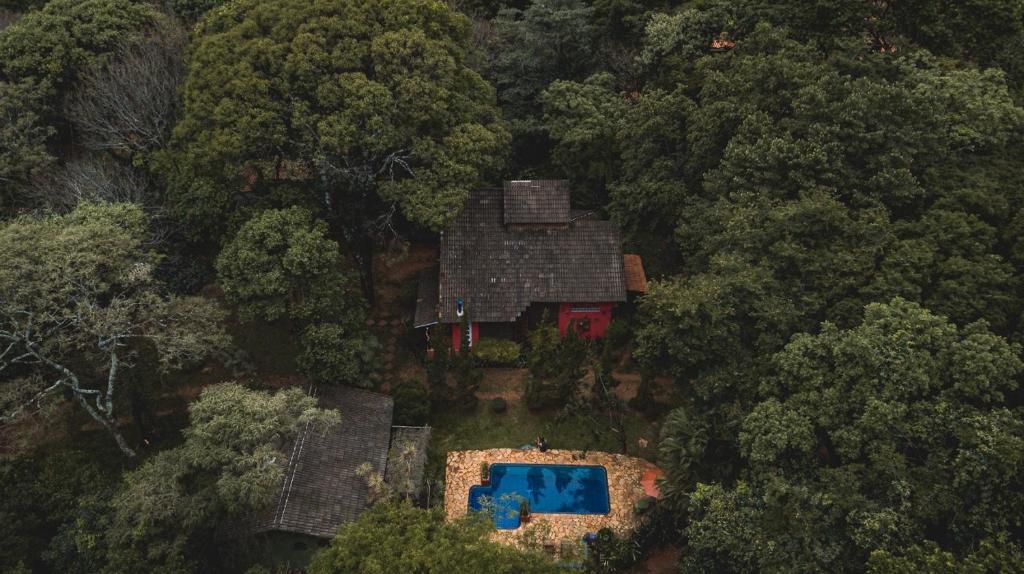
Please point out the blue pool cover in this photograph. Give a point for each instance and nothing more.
(550, 488)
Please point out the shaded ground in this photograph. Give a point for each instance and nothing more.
(664, 560)
(505, 383)
(395, 281)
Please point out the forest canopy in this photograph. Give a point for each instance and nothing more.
(201, 202)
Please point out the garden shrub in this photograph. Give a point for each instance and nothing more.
(556, 366)
(644, 401)
(499, 405)
(332, 354)
(496, 352)
(618, 334)
(412, 403)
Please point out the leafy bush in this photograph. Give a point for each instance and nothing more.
(331, 354)
(618, 334)
(412, 404)
(644, 401)
(499, 405)
(496, 352)
(556, 366)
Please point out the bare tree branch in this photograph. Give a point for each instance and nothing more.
(129, 104)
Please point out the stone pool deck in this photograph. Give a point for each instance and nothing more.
(624, 489)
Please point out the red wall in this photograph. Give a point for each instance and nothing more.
(457, 335)
(590, 323)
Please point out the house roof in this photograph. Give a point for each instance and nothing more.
(321, 489)
(539, 201)
(498, 271)
(636, 279)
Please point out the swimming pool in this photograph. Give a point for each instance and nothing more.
(550, 489)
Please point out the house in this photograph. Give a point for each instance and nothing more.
(322, 488)
(518, 252)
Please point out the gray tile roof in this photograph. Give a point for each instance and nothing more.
(321, 490)
(536, 201)
(498, 272)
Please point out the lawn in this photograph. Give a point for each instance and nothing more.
(483, 429)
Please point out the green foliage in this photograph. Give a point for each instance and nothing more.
(556, 366)
(49, 485)
(41, 55)
(52, 45)
(192, 10)
(991, 556)
(496, 352)
(335, 353)
(360, 105)
(226, 467)
(528, 49)
(24, 134)
(498, 405)
(867, 440)
(412, 403)
(282, 264)
(401, 538)
(79, 304)
(583, 118)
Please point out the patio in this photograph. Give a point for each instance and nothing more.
(624, 489)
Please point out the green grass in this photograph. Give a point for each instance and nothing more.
(483, 429)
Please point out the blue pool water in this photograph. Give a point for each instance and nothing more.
(550, 488)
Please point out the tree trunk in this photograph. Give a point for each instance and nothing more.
(109, 424)
(121, 442)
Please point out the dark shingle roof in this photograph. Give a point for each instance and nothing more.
(499, 272)
(321, 490)
(426, 299)
(536, 201)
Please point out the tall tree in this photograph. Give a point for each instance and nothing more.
(41, 56)
(870, 439)
(78, 304)
(164, 514)
(397, 537)
(367, 109)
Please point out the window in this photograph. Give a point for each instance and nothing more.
(584, 309)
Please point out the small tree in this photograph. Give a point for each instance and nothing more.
(412, 403)
(556, 366)
(467, 375)
(332, 353)
(282, 264)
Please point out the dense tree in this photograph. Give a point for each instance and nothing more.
(41, 55)
(528, 49)
(229, 464)
(396, 537)
(78, 305)
(338, 353)
(870, 439)
(281, 264)
(365, 108)
(23, 136)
